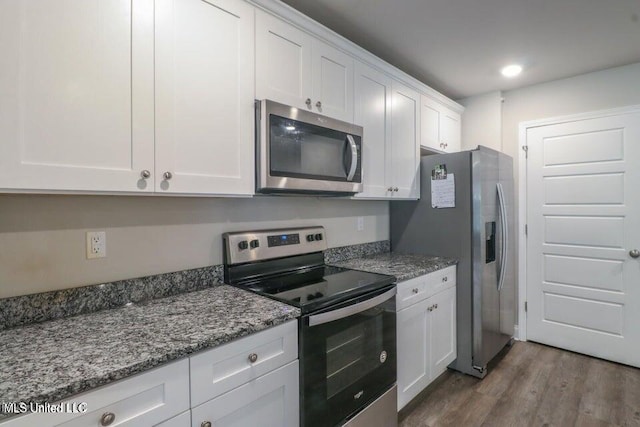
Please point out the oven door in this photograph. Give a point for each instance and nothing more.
(348, 357)
(300, 151)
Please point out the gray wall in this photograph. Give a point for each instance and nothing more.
(482, 121)
(42, 237)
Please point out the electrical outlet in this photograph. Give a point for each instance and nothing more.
(360, 223)
(96, 244)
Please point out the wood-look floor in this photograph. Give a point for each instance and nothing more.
(532, 385)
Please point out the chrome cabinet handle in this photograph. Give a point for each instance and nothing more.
(253, 358)
(395, 189)
(206, 424)
(319, 104)
(390, 189)
(145, 174)
(107, 418)
(445, 278)
(415, 290)
(634, 253)
(308, 102)
(435, 306)
(167, 175)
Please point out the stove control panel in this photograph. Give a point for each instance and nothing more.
(283, 239)
(241, 247)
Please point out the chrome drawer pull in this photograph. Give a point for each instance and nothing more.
(205, 424)
(445, 278)
(253, 358)
(107, 419)
(415, 290)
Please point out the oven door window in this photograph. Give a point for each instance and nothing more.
(303, 150)
(347, 363)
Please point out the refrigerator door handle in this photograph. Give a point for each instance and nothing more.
(505, 236)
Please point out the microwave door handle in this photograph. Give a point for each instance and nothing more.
(341, 313)
(354, 158)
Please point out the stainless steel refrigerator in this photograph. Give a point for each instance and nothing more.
(479, 231)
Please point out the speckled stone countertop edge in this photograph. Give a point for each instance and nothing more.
(403, 266)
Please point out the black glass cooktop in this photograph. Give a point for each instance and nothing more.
(318, 287)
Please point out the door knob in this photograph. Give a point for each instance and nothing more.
(634, 253)
(167, 175)
(145, 174)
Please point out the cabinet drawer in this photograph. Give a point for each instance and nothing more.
(221, 369)
(441, 280)
(411, 291)
(415, 290)
(144, 400)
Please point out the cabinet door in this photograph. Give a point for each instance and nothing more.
(405, 146)
(430, 132)
(204, 97)
(450, 126)
(182, 420)
(76, 103)
(268, 401)
(283, 62)
(443, 330)
(373, 113)
(332, 82)
(414, 363)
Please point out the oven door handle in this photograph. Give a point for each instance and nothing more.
(341, 313)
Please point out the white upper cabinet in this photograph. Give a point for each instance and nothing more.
(76, 95)
(283, 62)
(204, 97)
(405, 145)
(332, 73)
(373, 112)
(296, 69)
(441, 127)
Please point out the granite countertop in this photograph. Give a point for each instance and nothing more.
(403, 266)
(53, 360)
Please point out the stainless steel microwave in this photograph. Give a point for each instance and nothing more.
(302, 152)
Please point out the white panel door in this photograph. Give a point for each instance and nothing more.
(405, 144)
(332, 72)
(204, 97)
(373, 113)
(583, 214)
(283, 62)
(443, 330)
(271, 400)
(76, 95)
(413, 327)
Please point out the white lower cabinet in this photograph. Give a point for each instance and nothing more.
(271, 400)
(182, 420)
(426, 333)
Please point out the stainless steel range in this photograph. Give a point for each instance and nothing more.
(347, 332)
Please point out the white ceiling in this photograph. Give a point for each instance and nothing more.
(459, 46)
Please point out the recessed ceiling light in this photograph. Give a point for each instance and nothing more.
(511, 70)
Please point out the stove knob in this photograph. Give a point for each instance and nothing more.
(310, 238)
(254, 244)
(243, 245)
(318, 236)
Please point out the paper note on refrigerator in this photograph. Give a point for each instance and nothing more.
(443, 192)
